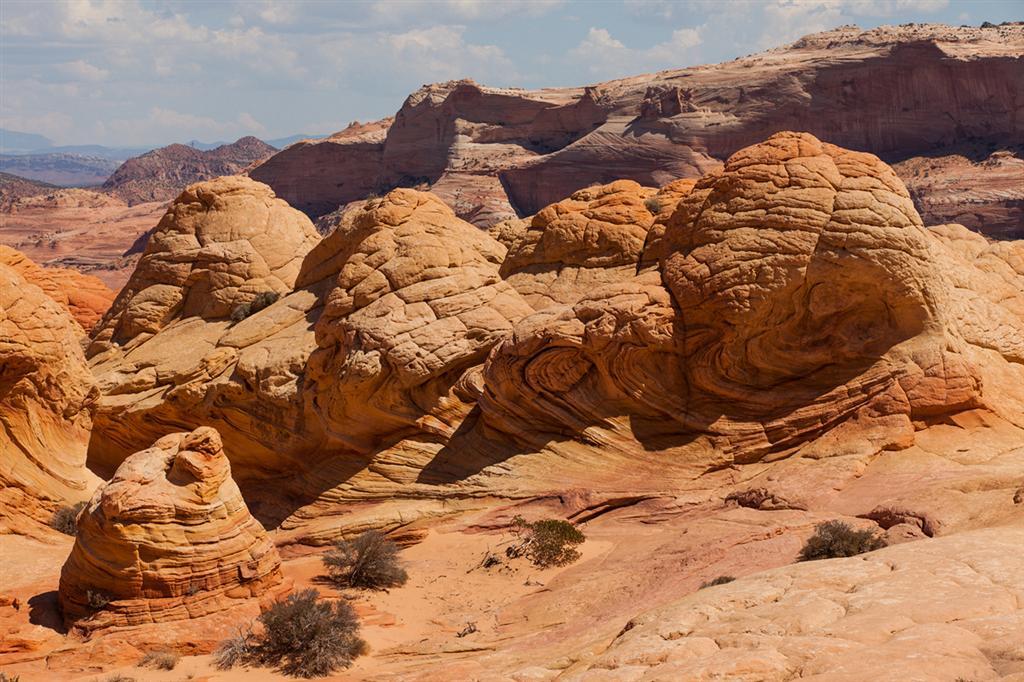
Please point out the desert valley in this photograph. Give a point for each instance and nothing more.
(713, 373)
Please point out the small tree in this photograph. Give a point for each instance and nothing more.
(370, 560)
(833, 539)
(307, 637)
(548, 542)
(65, 519)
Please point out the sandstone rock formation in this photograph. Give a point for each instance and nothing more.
(84, 296)
(221, 243)
(46, 398)
(789, 304)
(905, 612)
(161, 174)
(167, 538)
(979, 189)
(896, 91)
(386, 315)
(13, 188)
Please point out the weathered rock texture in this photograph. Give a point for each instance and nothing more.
(386, 316)
(907, 612)
(790, 304)
(896, 91)
(84, 296)
(46, 397)
(167, 538)
(161, 174)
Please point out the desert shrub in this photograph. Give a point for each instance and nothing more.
(160, 660)
(118, 677)
(97, 599)
(370, 560)
(236, 650)
(307, 637)
(65, 519)
(653, 204)
(988, 24)
(720, 580)
(261, 301)
(548, 542)
(4, 677)
(836, 539)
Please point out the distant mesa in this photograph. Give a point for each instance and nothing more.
(932, 99)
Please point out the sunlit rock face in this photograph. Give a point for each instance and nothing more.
(169, 537)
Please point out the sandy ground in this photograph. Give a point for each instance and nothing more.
(90, 239)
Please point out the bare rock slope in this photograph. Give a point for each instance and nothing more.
(900, 92)
(47, 395)
(84, 296)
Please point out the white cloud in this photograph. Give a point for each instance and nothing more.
(606, 56)
(83, 70)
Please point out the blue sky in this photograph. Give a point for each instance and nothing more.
(130, 72)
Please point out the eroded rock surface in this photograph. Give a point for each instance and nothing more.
(47, 395)
(169, 537)
(85, 297)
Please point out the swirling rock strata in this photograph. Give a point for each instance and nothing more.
(46, 399)
(85, 297)
(169, 537)
(807, 313)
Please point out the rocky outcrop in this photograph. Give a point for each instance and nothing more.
(897, 91)
(167, 538)
(791, 304)
(980, 190)
(318, 176)
(161, 174)
(592, 238)
(386, 316)
(46, 398)
(903, 612)
(13, 188)
(85, 297)
(220, 244)
(807, 311)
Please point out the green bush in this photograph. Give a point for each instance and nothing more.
(834, 539)
(548, 542)
(720, 580)
(65, 519)
(653, 204)
(370, 560)
(261, 301)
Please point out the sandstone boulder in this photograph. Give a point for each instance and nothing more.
(220, 244)
(169, 537)
(46, 399)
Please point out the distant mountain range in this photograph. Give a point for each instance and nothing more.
(35, 157)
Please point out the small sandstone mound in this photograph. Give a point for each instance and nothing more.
(220, 244)
(169, 537)
(46, 399)
(84, 296)
(594, 237)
